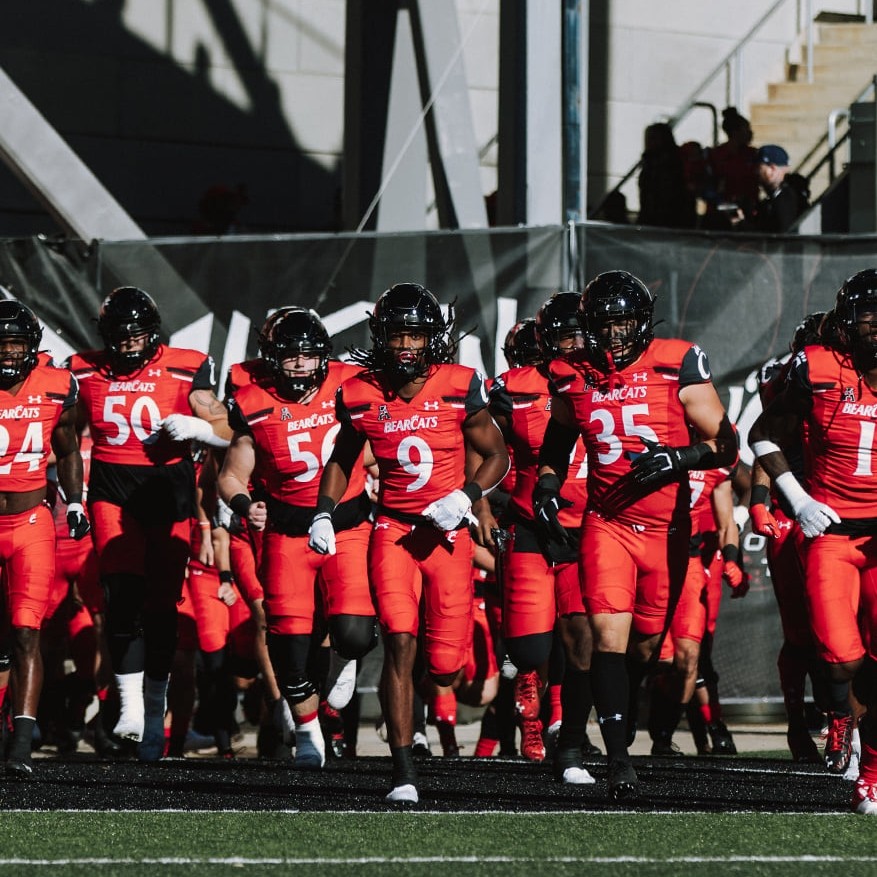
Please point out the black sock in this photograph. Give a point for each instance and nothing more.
(576, 700)
(609, 682)
(404, 772)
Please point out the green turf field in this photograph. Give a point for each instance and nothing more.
(437, 845)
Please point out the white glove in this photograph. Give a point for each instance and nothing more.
(183, 427)
(321, 534)
(223, 515)
(815, 517)
(447, 512)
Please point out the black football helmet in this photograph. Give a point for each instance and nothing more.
(808, 331)
(291, 332)
(410, 306)
(126, 313)
(521, 347)
(19, 323)
(857, 297)
(611, 297)
(558, 318)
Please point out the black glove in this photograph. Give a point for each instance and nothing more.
(77, 523)
(547, 503)
(662, 463)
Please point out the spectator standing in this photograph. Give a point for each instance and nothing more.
(664, 196)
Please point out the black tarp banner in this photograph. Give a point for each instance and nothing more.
(738, 296)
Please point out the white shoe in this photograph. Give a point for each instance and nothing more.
(577, 776)
(341, 681)
(406, 794)
(130, 726)
(852, 771)
(310, 750)
(864, 799)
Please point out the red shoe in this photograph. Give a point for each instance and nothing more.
(528, 695)
(532, 747)
(864, 798)
(838, 742)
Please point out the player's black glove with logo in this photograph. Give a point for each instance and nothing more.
(663, 463)
(547, 503)
(78, 525)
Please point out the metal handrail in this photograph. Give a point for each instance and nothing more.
(691, 101)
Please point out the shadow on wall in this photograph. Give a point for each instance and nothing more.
(156, 134)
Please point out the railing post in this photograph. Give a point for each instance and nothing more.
(738, 77)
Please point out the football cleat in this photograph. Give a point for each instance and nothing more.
(838, 742)
(723, 742)
(864, 798)
(310, 751)
(448, 739)
(404, 795)
(19, 767)
(420, 745)
(802, 746)
(664, 747)
(532, 747)
(568, 767)
(528, 695)
(623, 781)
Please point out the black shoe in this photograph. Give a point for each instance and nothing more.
(589, 750)
(420, 746)
(19, 767)
(664, 747)
(802, 746)
(623, 782)
(723, 742)
(270, 745)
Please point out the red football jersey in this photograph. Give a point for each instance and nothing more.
(125, 413)
(418, 445)
(27, 421)
(614, 421)
(521, 395)
(293, 440)
(702, 483)
(838, 438)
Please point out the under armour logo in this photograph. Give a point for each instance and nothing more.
(35, 400)
(430, 406)
(284, 414)
(451, 536)
(329, 404)
(638, 528)
(32, 519)
(382, 525)
(640, 376)
(155, 373)
(383, 412)
(603, 719)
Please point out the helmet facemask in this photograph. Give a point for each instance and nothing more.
(289, 334)
(18, 324)
(129, 314)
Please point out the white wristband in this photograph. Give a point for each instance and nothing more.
(763, 448)
(788, 485)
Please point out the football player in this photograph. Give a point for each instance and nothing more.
(144, 402)
(541, 581)
(419, 411)
(632, 398)
(828, 403)
(38, 416)
(285, 426)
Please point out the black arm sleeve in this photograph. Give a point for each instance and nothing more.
(557, 446)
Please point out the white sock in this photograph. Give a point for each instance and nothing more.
(130, 724)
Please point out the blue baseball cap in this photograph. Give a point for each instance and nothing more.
(773, 154)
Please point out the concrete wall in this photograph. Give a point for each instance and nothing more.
(165, 98)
